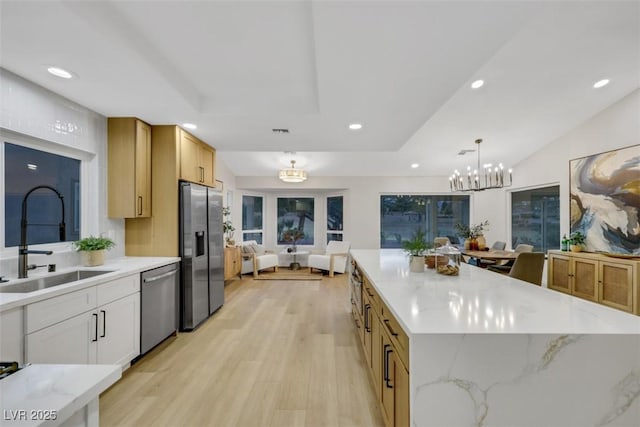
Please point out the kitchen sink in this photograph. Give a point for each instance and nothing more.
(40, 283)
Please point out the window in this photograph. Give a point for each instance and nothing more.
(252, 218)
(26, 168)
(401, 215)
(535, 218)
(334, 218)
(296, 212)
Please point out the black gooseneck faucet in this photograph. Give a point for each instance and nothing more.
(23, 249)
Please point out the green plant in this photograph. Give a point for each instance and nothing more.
(227, 225)
(417, 245)
(472, 231)
(92, 243)
(577, 238)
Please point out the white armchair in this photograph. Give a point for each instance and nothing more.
(256, 258)
(334, 260)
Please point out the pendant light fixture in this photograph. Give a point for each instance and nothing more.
(292, 174)
(480, 179)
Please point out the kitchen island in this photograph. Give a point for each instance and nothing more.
(52, 395)
(488, 350)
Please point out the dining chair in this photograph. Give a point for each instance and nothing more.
(506, 267)
(497, 246)
(528, 267)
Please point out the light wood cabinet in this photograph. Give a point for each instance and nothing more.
(129, 168)
(386, 350)
(197, 160)
(175, 155)
(599, 278)
(232, 262)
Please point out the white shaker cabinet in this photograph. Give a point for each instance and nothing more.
(108, 333)
(70, 341)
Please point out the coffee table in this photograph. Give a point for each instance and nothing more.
(294, 265)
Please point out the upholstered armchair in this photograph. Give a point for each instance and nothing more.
(334, 260)
(256, 258)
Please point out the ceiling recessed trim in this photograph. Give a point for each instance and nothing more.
(601, 83)
(355, 126)
(477, 84)
(190, 126)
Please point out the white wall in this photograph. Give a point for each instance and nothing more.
(32, 115)
(361, 201)
(615, 127)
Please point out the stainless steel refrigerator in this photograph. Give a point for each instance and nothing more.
(202, 253)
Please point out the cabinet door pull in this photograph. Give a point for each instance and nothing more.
(104, 323)
(385, 364)
(95, 334)
(391, 331)
(139, 205)
(387, 378)
(367, 327)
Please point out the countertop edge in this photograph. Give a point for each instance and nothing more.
(122, 266)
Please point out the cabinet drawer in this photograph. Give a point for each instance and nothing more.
(53, 310)
(397, 335)
(374, 298)
(119, 288)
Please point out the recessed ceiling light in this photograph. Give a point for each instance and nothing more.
(601, 83)
(60, 72)
(189, 126)
(414, 165)
(32, 167)
(355, 126)
(477, 84)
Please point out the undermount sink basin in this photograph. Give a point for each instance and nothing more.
(40, 283)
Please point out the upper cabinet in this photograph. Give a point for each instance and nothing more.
(197, 160)
(129, 168)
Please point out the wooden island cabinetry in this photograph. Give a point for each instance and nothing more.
(595, 277)
(386, 350)
(129, 166)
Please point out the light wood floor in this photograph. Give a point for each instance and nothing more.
(278, 353)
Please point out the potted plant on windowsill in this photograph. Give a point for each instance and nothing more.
(416, 247)
(93, 249)
(227, 226)
(576, 241)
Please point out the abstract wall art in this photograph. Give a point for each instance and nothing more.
(605, 200)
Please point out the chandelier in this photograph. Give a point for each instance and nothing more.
(292, 174)
(480, 179)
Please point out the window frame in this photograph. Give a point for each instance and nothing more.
(253, 230)
(326, 219)
(509, 207)
(417, 194)
(88, 206)
(314, 197)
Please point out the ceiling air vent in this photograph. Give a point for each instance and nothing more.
(280, 130)
(465, 151)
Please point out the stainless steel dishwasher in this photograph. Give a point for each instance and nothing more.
(159, 307)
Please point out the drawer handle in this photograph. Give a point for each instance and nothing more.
(388, 325)
(366, 317)
(96, 329)
(387, 351)
(104, 323)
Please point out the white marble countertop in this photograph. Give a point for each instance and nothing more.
(40, 390)
(123, 266)
(481, 301)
